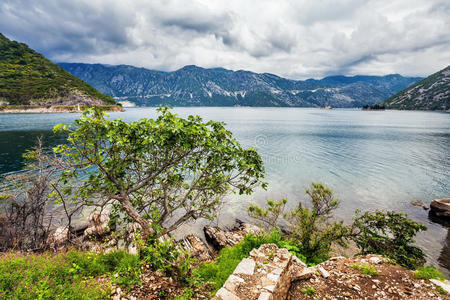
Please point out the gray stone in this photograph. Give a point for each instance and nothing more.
(375, 260)
(323, 272)
(443, 284)
(233, 282)
(246, 266)
(419, 203)
(265, 296)
(224, 294)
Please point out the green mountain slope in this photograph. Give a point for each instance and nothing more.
(431, 93)
(28, 78)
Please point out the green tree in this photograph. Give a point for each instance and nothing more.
(161, 172)
(390, 234)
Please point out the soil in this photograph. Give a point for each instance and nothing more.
(346, 282)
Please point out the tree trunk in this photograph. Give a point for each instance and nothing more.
(147, 230)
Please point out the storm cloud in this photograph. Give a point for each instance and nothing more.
(295, 39)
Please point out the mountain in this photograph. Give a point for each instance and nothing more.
(195, 86)
(28, 78)
(431, 93)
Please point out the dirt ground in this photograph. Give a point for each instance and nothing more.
(345, 281)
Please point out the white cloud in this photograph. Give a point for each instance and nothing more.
(296, 39)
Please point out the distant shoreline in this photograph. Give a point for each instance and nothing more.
(24, 109)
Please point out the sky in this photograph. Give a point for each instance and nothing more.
(294, 39)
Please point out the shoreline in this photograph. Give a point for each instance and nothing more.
(22, 109)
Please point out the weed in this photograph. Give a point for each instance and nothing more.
(365, 269)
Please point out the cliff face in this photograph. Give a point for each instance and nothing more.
(431, 93)
(195, 86)
(28, 78)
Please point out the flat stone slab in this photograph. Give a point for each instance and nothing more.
(246, 266)
(443, 284)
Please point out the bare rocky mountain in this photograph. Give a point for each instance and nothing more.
(195, 86)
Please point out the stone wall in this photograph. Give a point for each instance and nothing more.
(265, 275)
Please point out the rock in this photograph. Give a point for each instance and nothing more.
(441, 207)
(246, 266)
(419, 203)
(266, 274)
(443, 284)
(220, 238)
(375, 260)
(323, 272)
(78, 230)
(265, 296)
(131, 231)
(224, 294)
(58, 237)
(98, 224)
(197, 248)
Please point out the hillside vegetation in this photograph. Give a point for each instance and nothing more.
(431, 93)
(27, 77)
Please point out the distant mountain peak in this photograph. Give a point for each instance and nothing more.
(196, 86)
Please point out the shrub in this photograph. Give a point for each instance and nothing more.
(365, 269)
(428, 272)
(165, 256)
(390, 234)
(312, 228)
(270, 215)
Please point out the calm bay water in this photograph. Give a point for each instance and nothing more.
(371, 159)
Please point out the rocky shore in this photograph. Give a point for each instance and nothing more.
(269, 273)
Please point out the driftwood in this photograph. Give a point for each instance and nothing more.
(220, 238)
(197, 248)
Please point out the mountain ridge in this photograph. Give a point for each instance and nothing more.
(196, 86)
(431, 93)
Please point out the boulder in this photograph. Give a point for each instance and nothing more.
(98, 224)
(220, 238)
(419, 203)
(441, 207)
(58, 237)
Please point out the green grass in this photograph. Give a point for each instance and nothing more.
(71, 275)
(309, 291)
(366, 269)
(441, 290)
(428, 272)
